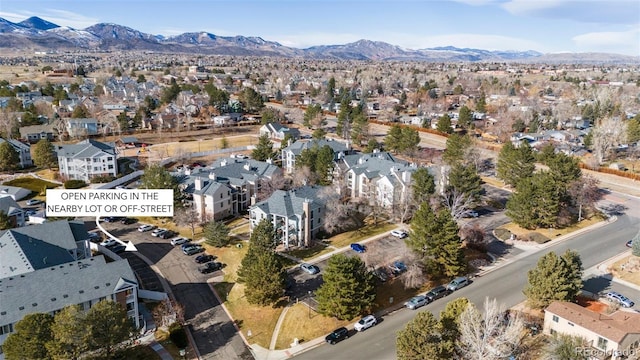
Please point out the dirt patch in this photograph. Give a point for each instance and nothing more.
(592, 304)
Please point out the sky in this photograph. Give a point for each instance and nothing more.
(547, 26)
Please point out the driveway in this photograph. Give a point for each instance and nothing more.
(214, 333)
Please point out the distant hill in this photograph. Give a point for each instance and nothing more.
(35, 33)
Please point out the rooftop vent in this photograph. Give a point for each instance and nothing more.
(21, 308)
(65, 296)
(81, 291)
(34, 304)
(3, 313)
(53, 299)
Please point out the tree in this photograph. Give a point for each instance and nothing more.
(422, 339)
(465, 180)
(319, 134)
(423, 185)
(9, 157)
(372, 145)
(450, 318)
(262, 270)
(565, 347)
(123, 121)
(608, 134)
(444, 124)
(585, 193)
(264, 149)
(69, 329)
(29, 339)
(564, 168)
(409, 140)
(554, 278)
(536, 202)
(393, 140)
(465, 117)
(348, 289)
(633, 129)
(311, 115)
(216, 233)
(5, 221)
(489, 335)
(141, 79)
(170, 94)
(635, 245)
(251, 100)
(157, 177)
(108, 326)
(80, 112)
(481, 103)
(457, 149)
(44, 154)
(515, 163)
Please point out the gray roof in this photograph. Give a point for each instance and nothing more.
(232, 171)
(18, 145)
(55, 287)
(36, 129)
(8, 205)
(376, 164)
(129, 139)
(289, 203)
(86, 148)
(14, 190)
(297, 147)
(39, 246)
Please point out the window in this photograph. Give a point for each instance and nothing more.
(553, 332)
(110, 167)
(6, 329)
(109, 158)
(555, 318)
(602, 343)
(220, 195)
(570, 323)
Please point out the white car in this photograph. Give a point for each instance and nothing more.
(365, 323)
(33, 202)
(157, 232)
(109, 242)
(399, 233)
(179, 240)
(146, 227)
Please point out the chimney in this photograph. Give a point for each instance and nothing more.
(306, 236)
(269, 161)
(198, 183)
(212, 175)
(247, 166)
(406, 177)
(223, 162)
(289, 142)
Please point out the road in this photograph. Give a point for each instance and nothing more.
(505, 284)
(214, 333)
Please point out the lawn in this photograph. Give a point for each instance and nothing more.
(346, 238)
(36, 185)
(260, 320)
(47, 174)
(304, 324)
(186, 147)
(628, 268)
(393, 291)
(309, 253)
(539, 234)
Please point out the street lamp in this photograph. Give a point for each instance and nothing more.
(309, 304)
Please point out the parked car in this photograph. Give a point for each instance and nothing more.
(365, 323)
(458, 283)
(146, 227)
(187, 245)
(620, 299)
(629, 243)
(179, 240)
(416, 302)
(399, 233)
(127, 221)
(111, 219)
(311, 269)
(204, 258)
(210, 267)
(167, 234)
(381, 274)
(193, 250)
(358, 248)
(109, 242)
(337, 335)
(470, 214)
(398, 267)
(32, 202)
(119, 249)
(437, 293)
(95, 237)
(158, 232)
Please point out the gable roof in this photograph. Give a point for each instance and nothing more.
(230, 171)
(18, 145)
(613, 327)
(376, 164)
(85, 148)
(55, 287)
(8, 205)
(297, 147)
(289, 203)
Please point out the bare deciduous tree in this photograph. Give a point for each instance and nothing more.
(607, 135)
(474, 236)
(187, 216)
(489, 335)
(304, 176)
(169, 311)
(585, 193)
(457, 203)
(269, 185)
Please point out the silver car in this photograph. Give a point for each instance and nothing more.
(416, 302)
(458, 283)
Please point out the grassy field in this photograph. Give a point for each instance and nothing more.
(304, 324)
(628, 268)
(185, 147)
(346, 238)
(36, 185)
(522, 233)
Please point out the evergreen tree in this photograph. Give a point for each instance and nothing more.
(393, 140)
(157, 177)
(520, 207)
(5, 221)
(465, 117)
(216, 233)
(286, 138)
(324, 164)
(633, 129)
(29, 339)
(456, 149)
(444, 124)
(372, 145)
(481, 103)
(218, 98)
(69, 329)
(251, 100)
(465, 180)
(9, 157)
(423, 185)
(80, 112)
(635, 245)
(44, 155)
(515, 164)
(310, 115)
(536, 202)
(554, 278)
(563, 168)
(449, 318)
(422, 339)
(123, 121)
(410, 138)
(108, 326)
(318, 134)
(264, 149)
(348, 289)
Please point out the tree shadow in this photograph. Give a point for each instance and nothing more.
(597, 284)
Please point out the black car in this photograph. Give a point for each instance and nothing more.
(127, 221)
(337, 335)
(205, 258)
(111, 219)
(437, 292)
(210, 267)
(167, 234)
(118, 249)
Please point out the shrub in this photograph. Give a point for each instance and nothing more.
(102, 179)
(178, 336)
(74, 184)
(502, 234)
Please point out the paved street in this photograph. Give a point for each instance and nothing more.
(214, 333)
(505, 284)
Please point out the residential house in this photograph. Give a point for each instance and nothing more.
(10, 207)
(378, 177)
(226, 188)
(277, 131)
(35, 133)
(87, 159)
(23, 150)
(297, 215)
(16, 193)
(291, 152)
(605, 335)
(81, 127)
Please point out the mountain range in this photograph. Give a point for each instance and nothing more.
(36, 34)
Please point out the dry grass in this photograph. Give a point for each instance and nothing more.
(301, 323)
(47, 174)
(242, 230)
(628, 269)
(185, 147)
(312, 252)
(493, 182)
(550, 233)
(346, 238)
(169, 224)
(393, 292)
